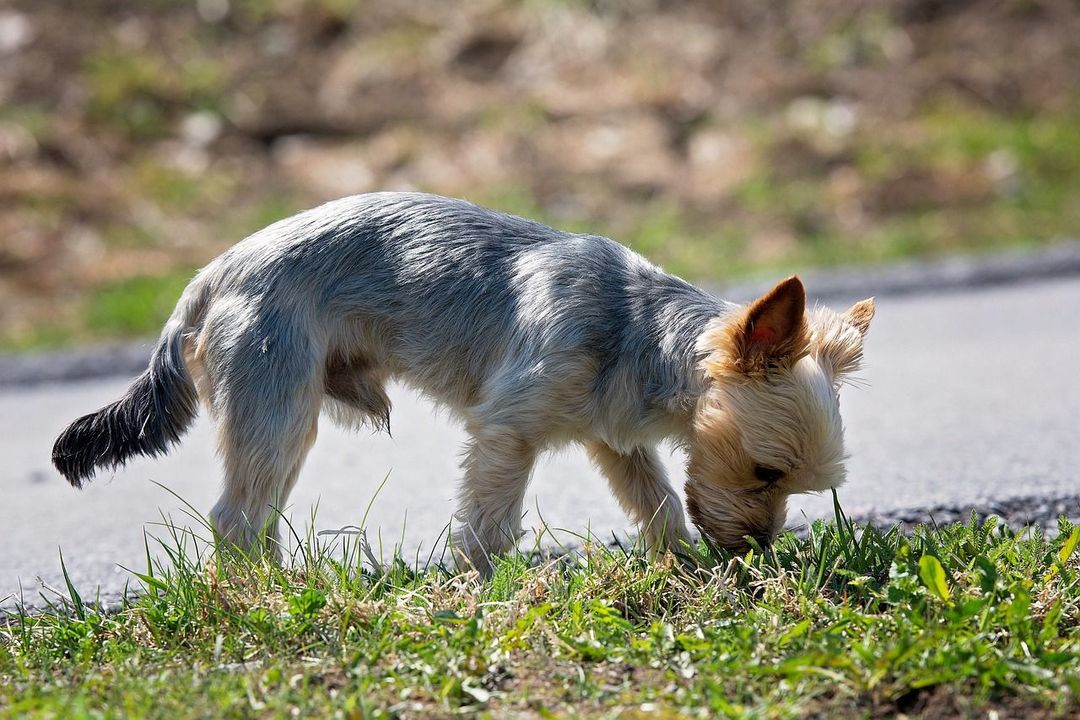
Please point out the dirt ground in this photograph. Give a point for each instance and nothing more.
(140, 137)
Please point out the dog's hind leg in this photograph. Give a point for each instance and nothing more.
(641, 486)
(267, 395)
(262, 464)
(497, 465)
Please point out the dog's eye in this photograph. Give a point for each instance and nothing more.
(768, 475)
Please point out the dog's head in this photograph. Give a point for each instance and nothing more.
(769, 422)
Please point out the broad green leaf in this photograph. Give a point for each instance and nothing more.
(1070, 546)
(933, 576)
(1066, 551)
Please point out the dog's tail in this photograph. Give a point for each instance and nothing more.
(150, 417)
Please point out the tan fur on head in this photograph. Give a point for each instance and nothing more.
(728, 517)
(769, 425)
(770, 332)
(723, 498)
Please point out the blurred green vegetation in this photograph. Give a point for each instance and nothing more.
(719, 140)
(1035, 197)
(131, 92)
(135, 306)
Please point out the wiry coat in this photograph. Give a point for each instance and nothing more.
(532, 336)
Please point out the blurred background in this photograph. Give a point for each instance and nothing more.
(138, 138)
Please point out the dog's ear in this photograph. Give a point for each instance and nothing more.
(771, 331)
(860, 314)
(838, 337)
(775, 323)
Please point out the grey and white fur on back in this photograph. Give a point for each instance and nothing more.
(533, 337)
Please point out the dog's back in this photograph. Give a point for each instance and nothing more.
(443, 293)
(533, 336)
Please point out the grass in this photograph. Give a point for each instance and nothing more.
(846, 621)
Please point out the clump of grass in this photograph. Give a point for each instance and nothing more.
(846, 620)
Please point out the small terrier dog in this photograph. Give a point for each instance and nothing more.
(533, 337)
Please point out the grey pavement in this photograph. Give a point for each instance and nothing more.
(969, 397)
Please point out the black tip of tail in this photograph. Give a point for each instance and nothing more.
(147, 420)
(86, 444)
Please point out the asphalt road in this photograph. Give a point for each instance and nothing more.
(970, 397)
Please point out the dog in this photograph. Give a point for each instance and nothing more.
(534, 338)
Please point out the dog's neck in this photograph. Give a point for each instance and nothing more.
(673, 316)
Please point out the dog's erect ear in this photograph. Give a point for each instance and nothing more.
(775, 322)
(838, 337)
(771, 331)
(860, 314)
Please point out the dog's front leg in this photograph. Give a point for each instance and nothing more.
(497, 465)
(641, 486)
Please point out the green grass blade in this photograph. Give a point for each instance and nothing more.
(932, 573)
